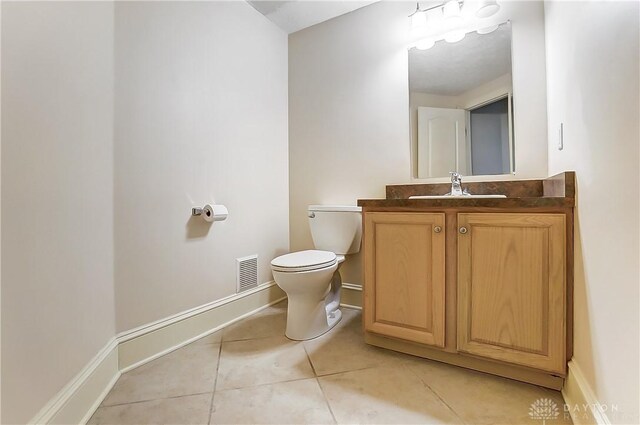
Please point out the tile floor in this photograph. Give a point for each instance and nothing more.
(250, 373)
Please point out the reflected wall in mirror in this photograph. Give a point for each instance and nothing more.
(461, 105)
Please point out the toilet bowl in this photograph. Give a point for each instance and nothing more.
(311, 278)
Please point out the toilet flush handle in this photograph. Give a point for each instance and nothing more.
(311, 214)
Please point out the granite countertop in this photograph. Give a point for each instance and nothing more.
(554, 192)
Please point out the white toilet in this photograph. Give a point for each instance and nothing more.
(311, 278)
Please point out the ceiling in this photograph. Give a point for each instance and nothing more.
(293, 16)
(450, 69)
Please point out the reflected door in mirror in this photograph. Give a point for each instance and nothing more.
(441, 136)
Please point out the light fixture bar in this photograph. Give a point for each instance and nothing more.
(418, 10)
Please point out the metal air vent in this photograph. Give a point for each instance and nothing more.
(247, 273)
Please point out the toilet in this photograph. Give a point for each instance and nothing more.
(311, 278)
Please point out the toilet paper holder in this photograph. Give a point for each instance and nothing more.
(210, 213)
(196, 211)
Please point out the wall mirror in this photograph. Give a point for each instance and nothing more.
(461, 105)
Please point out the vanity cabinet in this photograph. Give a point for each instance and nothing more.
(405, 269)
(511, 288)
(479, 283)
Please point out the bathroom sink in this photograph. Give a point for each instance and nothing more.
(456, 197)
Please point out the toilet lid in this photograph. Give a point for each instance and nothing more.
(304, 260)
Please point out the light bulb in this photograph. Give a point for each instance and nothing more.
(487, 8)
(451, 9)
(425, 44)
(487, 30)
(454, 36)
(418, 23)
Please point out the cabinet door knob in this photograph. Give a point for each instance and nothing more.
(437, 229)
(463, 230)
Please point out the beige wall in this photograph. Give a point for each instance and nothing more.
(592, 74)
(0, 221)
(488, 91)
(349, 108)
(201, 116)
(348, 113)
(57, 190)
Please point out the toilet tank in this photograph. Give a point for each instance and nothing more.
(336, 228)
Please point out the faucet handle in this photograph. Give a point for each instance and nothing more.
(455, 177)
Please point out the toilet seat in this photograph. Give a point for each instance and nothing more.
(302, 261)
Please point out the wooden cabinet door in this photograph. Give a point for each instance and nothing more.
(405, 276)
(511, 288)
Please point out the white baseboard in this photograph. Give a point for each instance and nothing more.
(72, 404)
(582, 403)
(79, 399)
(141, 345)
(351, 296)
(353, 307)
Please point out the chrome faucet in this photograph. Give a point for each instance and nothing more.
(456, 184)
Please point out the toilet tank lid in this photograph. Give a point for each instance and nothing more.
(335, 208)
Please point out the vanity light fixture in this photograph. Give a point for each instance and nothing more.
(451, 9)
(450, 20)
(418, 22)
(425, 44)
(487, 8)
(454, 36)
(487, 30)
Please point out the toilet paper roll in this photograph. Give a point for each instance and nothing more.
(214, 213)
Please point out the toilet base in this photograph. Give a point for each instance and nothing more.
(314, 301)
(321, 321)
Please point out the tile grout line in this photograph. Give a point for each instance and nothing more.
(324, 396)
(215, 381)
(310, 362)
(251, 339)
(154, 399)
(265, 383)
(349, 371)
(442, 400)
(295, 379)
(326, 400)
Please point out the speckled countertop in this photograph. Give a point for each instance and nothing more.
(554, 192)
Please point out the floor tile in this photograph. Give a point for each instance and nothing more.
(480, 398)
(262, 361)
(270, 322)
(179, 410)
(343, 348)
(384, 395)
(263, 377)
(294, 402)
(188, 370)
